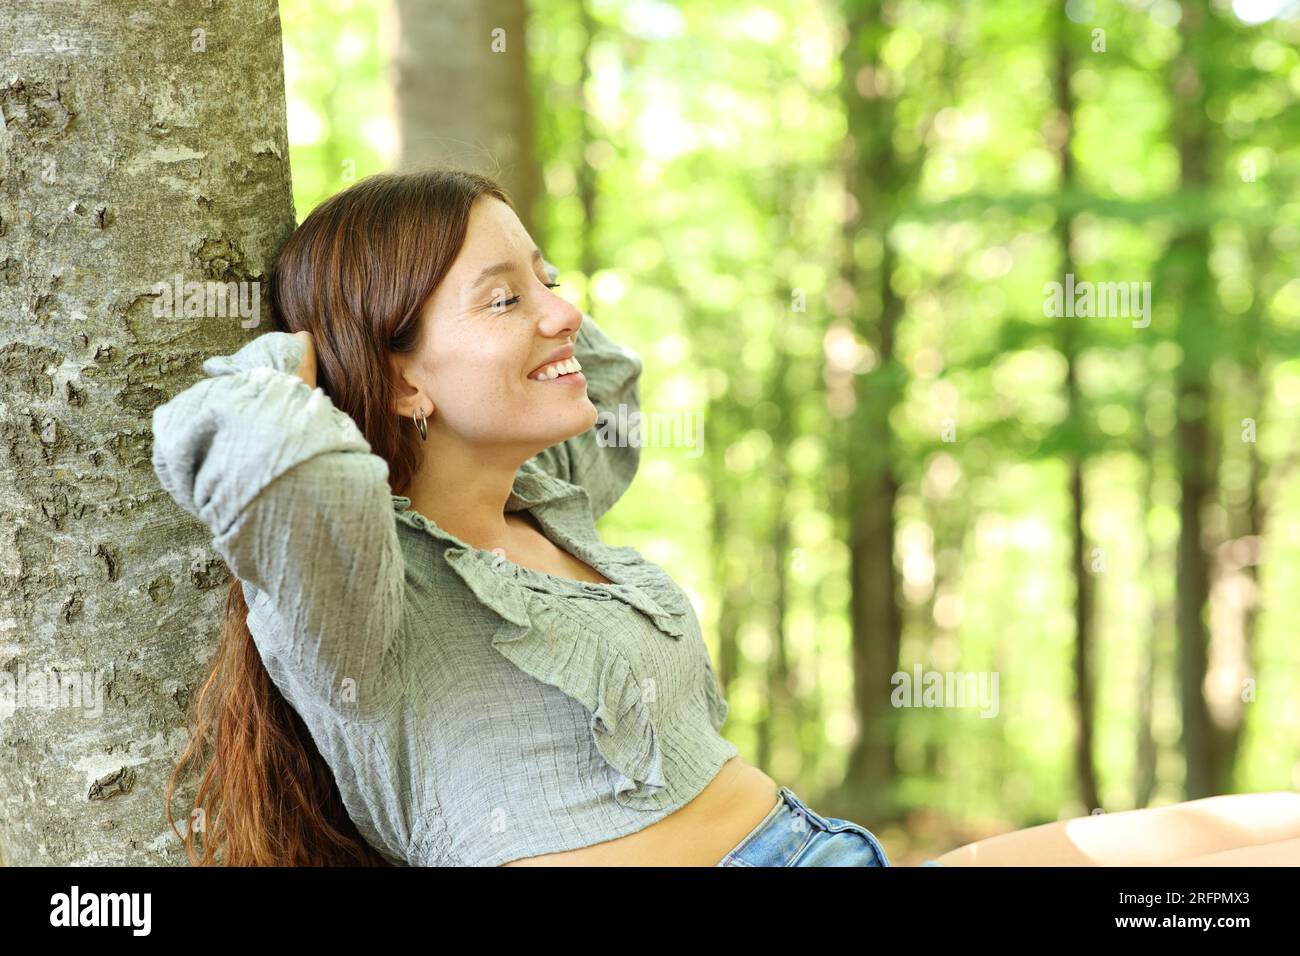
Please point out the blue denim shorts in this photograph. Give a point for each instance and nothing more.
(793, 834)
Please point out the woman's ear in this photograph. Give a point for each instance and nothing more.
(410, 398)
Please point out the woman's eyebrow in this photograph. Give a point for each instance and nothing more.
(499, 268)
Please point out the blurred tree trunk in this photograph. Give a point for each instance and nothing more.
(1186, 280)
(128, 156)
(1068, 333)
(872, 181)
(780, 698)
(586, 173)
(783, 204)
(728, 575)
(462, 92)
(1145, 777)
(1238, 561)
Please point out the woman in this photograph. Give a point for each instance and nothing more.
(429, 656)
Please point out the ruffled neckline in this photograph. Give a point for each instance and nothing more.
(564, 511)
(540, 640)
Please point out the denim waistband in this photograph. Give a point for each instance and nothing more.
(789, 829)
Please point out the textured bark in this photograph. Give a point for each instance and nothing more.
(132, 149)
(462, 103)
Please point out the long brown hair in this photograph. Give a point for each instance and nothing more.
(356, 274)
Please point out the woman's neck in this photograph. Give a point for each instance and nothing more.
(466, 497)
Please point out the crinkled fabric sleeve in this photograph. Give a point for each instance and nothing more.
(300, 508)
(604, 459)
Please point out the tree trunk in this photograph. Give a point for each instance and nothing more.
(1233, 640)
(462, 92)
(873, 179)
(588, 193)
(140, 141)
(1145, 772)
(727, 582)
(1187, 279)
(1067, 336)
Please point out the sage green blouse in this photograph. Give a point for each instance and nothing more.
(473, 711)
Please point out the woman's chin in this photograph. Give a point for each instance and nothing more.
(571, 423)
(585, 421)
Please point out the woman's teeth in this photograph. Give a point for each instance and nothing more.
(556, 370)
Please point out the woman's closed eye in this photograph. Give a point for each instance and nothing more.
(500, 304)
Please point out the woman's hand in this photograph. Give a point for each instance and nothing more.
(307, 369)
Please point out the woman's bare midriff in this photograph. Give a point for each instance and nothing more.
(700, 833)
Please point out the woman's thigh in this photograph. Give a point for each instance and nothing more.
(1150, 837)
(1281, 853)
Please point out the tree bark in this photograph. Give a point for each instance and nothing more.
(140, 141)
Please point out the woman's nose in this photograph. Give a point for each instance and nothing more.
(563, 317)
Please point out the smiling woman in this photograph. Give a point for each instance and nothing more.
(444, 661)
(450, 665)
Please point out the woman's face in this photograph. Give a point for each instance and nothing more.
(487, 327)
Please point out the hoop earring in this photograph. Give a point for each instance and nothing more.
(421, 423)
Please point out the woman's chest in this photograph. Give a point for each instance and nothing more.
(548, 559)
(472, 620)
(531, 548)
(470, 664)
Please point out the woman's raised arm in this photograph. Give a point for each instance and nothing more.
(300, 508)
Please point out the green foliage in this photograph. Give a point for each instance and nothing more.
(336, 93)
(695, 168)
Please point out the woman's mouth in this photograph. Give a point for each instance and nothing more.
(566, 371)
